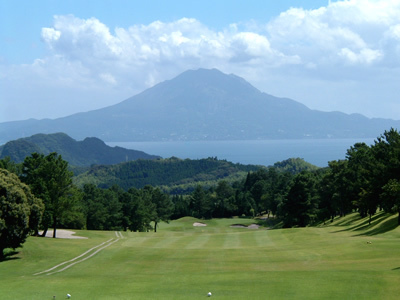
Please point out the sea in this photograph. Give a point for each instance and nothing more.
(256, 152)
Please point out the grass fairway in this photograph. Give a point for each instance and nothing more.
(185, 262)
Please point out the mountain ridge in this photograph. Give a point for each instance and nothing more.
(88, 152)
(204, 105)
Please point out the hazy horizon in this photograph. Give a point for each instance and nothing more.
(74, 56)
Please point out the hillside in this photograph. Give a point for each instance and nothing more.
(78, 153)
(294, 166)
(178, 176)
(203, 105)
(172, 172)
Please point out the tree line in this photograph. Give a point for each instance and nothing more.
(368, 179)
(43, 195)
(175, 175)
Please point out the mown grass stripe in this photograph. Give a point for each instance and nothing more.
(75, 258)
(186, 262)
(198, 241)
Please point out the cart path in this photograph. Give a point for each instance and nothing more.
(86, 255)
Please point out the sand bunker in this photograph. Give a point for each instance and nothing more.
(251, 226)
(199, 224)
(63, 234)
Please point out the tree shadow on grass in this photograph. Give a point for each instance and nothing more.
(380, 223)
(9, 255)
(386, 225)
(396, 269)
(347, 221)
(375, 220)
(267, 222)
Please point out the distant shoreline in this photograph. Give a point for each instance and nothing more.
(257, 152)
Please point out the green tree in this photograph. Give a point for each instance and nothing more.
(181, 206)
(103, 208)
(20, 211)
(224, 200)
(145, 210)
(391, 197)
(163, 206)
(129, 201)
(74, 216)
(200, 205)
(113, 207)
(8, 164)
(49, 179)
(338, 189)
(300, 205)
(386, 152)
(259, 192)
(361, 173)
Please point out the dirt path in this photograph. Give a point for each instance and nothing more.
(84, 256)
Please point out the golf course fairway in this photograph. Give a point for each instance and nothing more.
(347, 259)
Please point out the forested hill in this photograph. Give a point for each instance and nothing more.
(294, 166)
(178, 176)
(78, 153)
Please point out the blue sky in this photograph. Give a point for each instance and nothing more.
(21, 21)
(63, 57)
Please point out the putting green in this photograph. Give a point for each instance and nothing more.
(348, 259)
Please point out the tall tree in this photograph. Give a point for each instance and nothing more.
(94, 209)
(200, 205)
(181, 206)
(359, 174)
(163, 206)
(20, 211)
(103, 207)
(300, 205)
(224, 200)
(391, 197)
(49, 179)
(386, 152)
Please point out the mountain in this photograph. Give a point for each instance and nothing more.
(203, 105)
(78, 153)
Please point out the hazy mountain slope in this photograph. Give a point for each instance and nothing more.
(204, 105)
(77, 153)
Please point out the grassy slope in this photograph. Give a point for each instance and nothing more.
(185, 262)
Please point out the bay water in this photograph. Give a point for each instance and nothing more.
(257, 152)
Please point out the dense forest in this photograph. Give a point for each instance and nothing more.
(173, 175)
(292, 192)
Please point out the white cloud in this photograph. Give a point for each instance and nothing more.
(365, 56)
(50, 34)
(90, 42)
(338, 33)
(343, 46)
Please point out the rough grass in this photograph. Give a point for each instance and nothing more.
(185, 262)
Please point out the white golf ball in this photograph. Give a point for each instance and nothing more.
(68, 296)
(209, 294)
